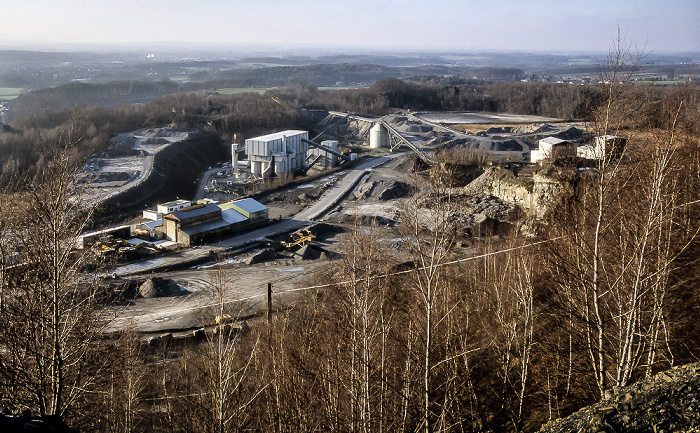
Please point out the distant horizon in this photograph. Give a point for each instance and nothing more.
(288, 50)
(538, 26)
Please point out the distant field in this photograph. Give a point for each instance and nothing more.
(10, 92)
(236, 90)
(339, 87)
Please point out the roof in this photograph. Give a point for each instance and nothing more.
(193, 212)
(107, 230)
(174, 203)
(205, 227)
(232, 216)
(137, 241)
(153, 224)
(164, 243)
(553, 141)
(250, 205)
(278, 135)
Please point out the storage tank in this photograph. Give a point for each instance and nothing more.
(378, 136)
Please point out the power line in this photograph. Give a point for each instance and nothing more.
(375, 277)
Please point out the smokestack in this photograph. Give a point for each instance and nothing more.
(234, 159)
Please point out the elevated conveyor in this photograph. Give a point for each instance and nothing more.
(324, 148)
(397, 140)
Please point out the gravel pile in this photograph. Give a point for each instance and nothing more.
(264, 255)
(154, 288)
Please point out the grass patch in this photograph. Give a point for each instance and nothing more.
(10, 92)
(339, 87)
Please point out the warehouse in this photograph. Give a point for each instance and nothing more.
(553, 148)
(248, 207)
(196, 224)
(174, 223)
(277, 153)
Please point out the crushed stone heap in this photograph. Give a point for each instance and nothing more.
(667, 402)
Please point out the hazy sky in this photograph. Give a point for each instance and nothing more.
(533, 25)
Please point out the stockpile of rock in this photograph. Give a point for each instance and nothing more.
(261, 256)
(668, 402)
(381, 190)
(154, 288)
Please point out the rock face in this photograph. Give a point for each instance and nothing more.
(668, 402)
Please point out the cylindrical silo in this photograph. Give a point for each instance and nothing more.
(378, 136)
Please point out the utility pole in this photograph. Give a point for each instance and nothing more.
(269, 305)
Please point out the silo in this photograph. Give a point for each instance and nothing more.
(378, 136)
(234, 157)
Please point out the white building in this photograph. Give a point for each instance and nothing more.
(609, 146)
(165, 208)
(553, 148)
(279, 152)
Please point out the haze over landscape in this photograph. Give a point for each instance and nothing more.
(336, 216)
(539, 25)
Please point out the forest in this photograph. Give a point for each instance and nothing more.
(603, 290)
(249, 113)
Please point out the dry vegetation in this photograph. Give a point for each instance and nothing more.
(527, 331)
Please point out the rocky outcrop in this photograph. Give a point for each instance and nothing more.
(667, 402)
(174, 174)
(531, 195)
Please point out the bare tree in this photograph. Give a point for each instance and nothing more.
(224, 368)
(50, 326)
(621, 231)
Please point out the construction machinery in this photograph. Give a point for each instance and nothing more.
(301, 237)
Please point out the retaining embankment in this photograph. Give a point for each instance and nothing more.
(175, 172)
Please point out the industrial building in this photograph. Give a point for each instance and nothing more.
(553, 148)
(610, 146)
(277, 153)
(195, 224)
(248, 207)
(150, 229)
(165, 208)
